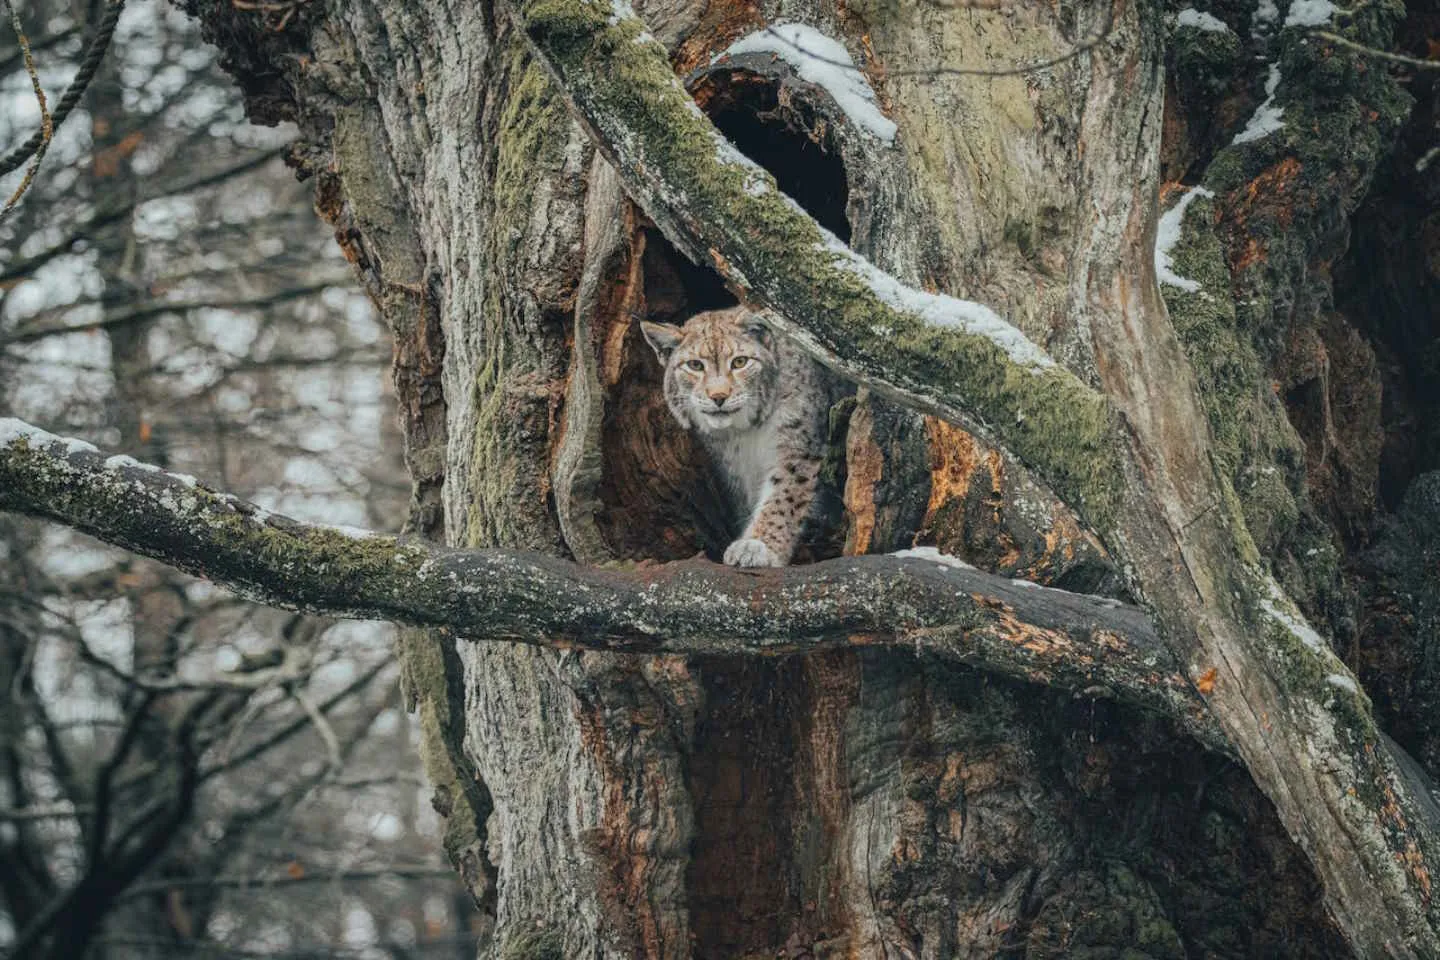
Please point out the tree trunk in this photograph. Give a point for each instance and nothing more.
(851, 803)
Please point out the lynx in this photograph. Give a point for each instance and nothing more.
(761, 407)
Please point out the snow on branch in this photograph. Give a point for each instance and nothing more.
(923, 601)
(825, 62)
(1200, 20)
(1267, 117)
(1167, 234)
(942, 355)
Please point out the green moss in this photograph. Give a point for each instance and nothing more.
(558, 19)
(538, 945)
(1254, 444)
(529, 145)
(434, 690)
(348, 564)
(1203, 61)
(530, 139)
(1292, 191)
(1306, 671)
(1048, 419)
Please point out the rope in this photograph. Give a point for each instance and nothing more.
(94, 53)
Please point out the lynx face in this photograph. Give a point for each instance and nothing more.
(721, 370)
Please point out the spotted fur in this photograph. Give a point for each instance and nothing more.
(762, 409)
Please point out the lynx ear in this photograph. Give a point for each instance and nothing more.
(662, 337)
(760, 330)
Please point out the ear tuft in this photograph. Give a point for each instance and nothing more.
(662, 337)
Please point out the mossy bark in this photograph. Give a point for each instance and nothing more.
(879, 804)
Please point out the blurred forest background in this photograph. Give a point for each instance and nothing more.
(166, 289)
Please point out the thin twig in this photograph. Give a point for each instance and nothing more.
(1015, 71)
(47, 811)
(322, 727)
(17, 269)
(154, 308)
(417, 872)
(89, 65)
(105, 781)
(44, 43)
(47, 124)
(1378, 54)
(255, 750)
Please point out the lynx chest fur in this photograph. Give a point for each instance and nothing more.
(762, 409)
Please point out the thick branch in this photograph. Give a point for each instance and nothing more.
(1291, 709)
(922, 602)
(945, 356)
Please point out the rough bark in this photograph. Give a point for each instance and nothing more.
(888, 806)
(1318, 755)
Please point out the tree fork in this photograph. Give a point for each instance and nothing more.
(1146, 481)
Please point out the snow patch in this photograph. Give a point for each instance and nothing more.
(940, 310)
(12, 429)
(1200, 20)
(1342, 682)
(1275, 604)
(1167, 234)
(1309, 13)
(757, 183)
(121, 460)
(825, 62)
(933, 554)
(1266, 11)
(1266, 118)
(620, 10)
(354, 533)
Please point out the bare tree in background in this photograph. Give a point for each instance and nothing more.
(184, 773)
(1174, 382)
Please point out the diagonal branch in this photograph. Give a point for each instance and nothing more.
(950, 357)
(47, 122)
(24, 268)
(1143, 477)
(921, 601)
(146, 311)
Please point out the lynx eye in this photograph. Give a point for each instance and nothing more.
(740, 363)
(697, 365)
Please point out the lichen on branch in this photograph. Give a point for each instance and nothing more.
(917, 602)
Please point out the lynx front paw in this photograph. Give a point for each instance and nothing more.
(751, 553)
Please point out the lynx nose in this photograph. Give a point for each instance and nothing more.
(718, 394)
